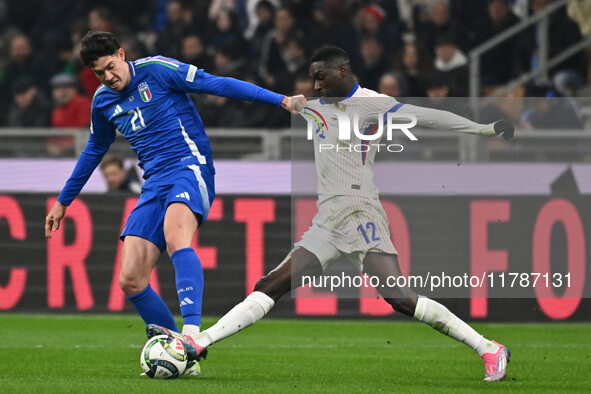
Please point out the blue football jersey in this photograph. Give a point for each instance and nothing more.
(155, 114)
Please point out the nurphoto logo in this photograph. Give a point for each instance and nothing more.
(349, 137)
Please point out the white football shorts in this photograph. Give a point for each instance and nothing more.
(348, 227)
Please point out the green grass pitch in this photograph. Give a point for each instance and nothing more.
(79, 354)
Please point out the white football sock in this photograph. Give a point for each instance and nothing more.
(190, 330)
(441, 319)
(248, 312)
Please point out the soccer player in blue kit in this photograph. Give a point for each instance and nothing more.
(146, 101)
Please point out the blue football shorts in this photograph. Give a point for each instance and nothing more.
(192, 185)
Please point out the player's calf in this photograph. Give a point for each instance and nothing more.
(403, 304)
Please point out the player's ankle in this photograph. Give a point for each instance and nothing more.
(486, 346)
(203, 340)
(191, 330)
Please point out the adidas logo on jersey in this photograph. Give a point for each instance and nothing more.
(183, 195)
(118, 110)
(186, 301)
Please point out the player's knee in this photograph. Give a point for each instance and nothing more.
(174, 243)
(130, 285)
(403, 304)
(176, 240)
(262, 284)
(270, 287)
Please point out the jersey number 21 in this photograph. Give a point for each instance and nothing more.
(137, 113)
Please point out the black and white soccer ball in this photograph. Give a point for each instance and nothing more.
(163, 357)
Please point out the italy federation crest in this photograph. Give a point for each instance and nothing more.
(145, 93)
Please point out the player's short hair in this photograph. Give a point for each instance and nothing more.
(110, 160)
(96, 44)
(330, 54)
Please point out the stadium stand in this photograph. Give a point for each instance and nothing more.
(420, 42)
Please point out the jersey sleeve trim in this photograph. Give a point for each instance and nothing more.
(162, 61)
(98, 91)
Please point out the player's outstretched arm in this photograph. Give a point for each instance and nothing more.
(444, 120)
(235, 88)
(54, 217)
(294, 104)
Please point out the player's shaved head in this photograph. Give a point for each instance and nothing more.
(332, 56)
(96, 44)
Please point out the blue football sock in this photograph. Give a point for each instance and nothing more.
(188, 275)
(152, 309)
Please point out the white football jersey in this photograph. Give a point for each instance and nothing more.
(345, 167)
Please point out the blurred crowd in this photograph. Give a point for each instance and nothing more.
(403, 48)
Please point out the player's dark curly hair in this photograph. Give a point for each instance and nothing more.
(330, 54)
(96, 44)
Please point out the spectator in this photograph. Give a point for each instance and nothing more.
(451, 61)
(116, 178)
(505, 61)
(438, 92)
(415, 65)
(87, 79)
(437, 24)
(303, 85)
(295, 59)
(226, 63)
(562, 33)
(193, 51)
(547, 110)
(227, 32)
(373, 22)
(508, 107)
(218, 6)
(265, 13)
(393, 84)
(437, 85)
(177, 26)
(22, 62)
(330, 26)
(271, 62)
(60, 57)
(134, 49)
(29, 108)
(374, 62)
(580, 12)
(72, 109)
(100, 19)
(567, 83)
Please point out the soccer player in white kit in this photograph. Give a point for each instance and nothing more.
(349, 199)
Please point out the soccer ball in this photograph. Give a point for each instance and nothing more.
(163, 357)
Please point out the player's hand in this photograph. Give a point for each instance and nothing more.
(53, 218)
(504, 128)
(294, 104)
